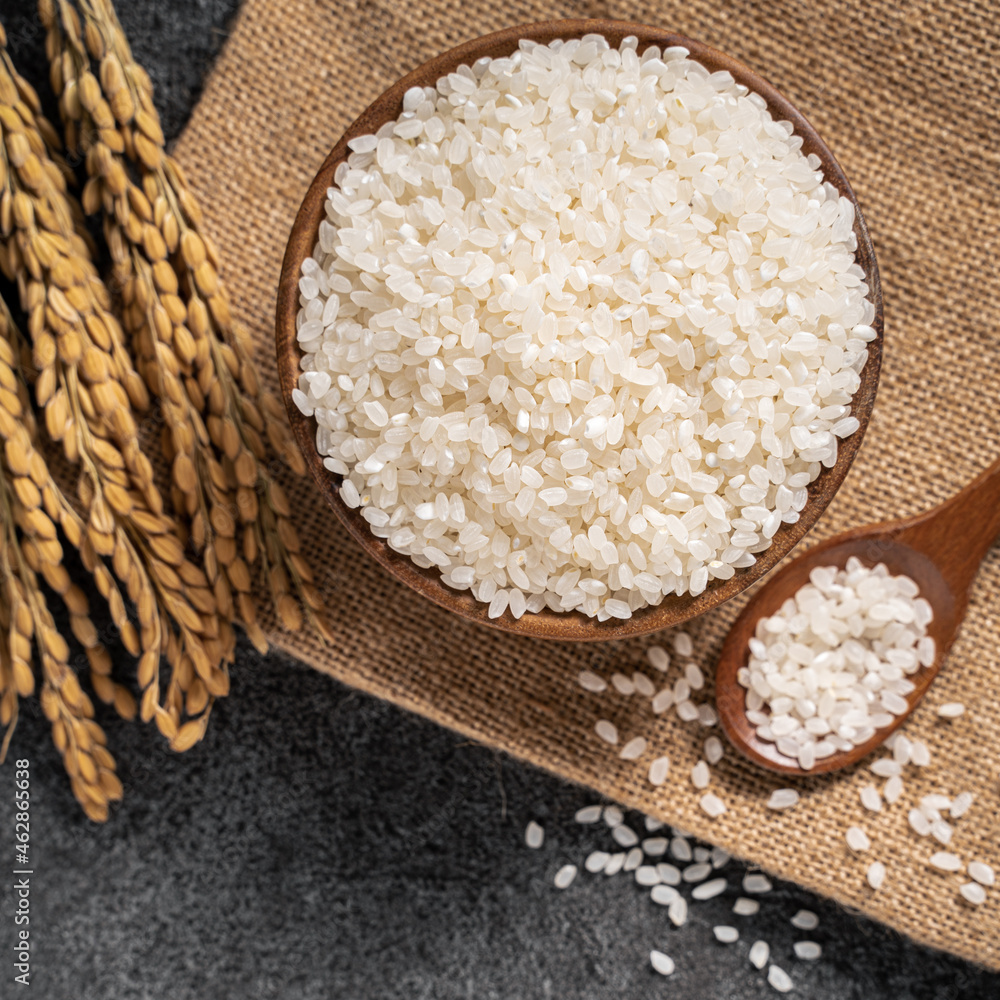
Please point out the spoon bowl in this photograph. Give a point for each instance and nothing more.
(940, 550)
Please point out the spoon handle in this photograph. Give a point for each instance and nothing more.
(958, 533)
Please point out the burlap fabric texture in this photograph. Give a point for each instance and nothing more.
(905, 94)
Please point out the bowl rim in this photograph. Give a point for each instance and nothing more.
(573, 625)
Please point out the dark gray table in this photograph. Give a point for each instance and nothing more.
(319, 843)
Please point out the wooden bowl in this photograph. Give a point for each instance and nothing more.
(550, 624)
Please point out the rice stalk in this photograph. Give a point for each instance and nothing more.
(82, 371)
(31, 506)
(174, 366)
(195, 358)
(40, 507)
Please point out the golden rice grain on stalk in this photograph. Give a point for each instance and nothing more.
(31, 549)
(197, 347)
(85, 374)
(30, 626)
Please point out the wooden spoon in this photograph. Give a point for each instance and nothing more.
(941, 550)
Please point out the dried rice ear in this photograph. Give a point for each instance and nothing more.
(225, 434)
(32, 506)
(89, 392)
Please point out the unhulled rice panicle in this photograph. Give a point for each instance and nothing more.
(226, 433)
(581, 326)
(31, 508)
(85, 383)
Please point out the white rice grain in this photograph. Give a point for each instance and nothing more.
(779, 979)
(713, 750)
(662, 963)
(710, 889)
(634, 749)
(981, 872)
(643, 685)
(697, 872)
(615, 864)
(871, 799)
(720, 858)
(647, 875)
(946, 862)
(663, 895)
(712, 805)
(590, 681)
(607, 731)
(886, 767)
(755, 883)
(876, 875)
(920, 755)
(565, 876)
(669, 874)
(677, 911)
(700, 775)
(680, 848)
(658, 770)
(783, 798)
(960, 804)
(857, 839)
(625, 836)
(973, 892)
(596, 861)
(654, 847)
(534, 835)
(622, 684)
(892, 789)
(808, 951)
(658, 658)
(919, 823)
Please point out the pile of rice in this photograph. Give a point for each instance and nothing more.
(581, 326)
(834, 663)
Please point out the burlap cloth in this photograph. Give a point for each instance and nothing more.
(905, 94)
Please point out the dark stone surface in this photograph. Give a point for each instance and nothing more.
(320, 844)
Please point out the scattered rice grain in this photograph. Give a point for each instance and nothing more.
(876, 875)
(565, 876)
(783, 798)
(809, 951)
(534, 835)
(779, 979)
(760, 952)
(710, 889)
(857, 839)
(662, 963)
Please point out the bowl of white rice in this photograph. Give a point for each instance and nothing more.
(579, 329)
